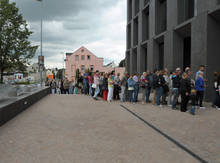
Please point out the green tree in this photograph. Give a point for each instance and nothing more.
(122, 63)
(15, 48)
(59, 74)
(77, 74)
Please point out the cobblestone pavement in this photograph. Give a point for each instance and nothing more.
(77, 129)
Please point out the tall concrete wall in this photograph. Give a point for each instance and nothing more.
(196, 26)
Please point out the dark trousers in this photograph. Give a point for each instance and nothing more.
(218, 100)
(66, 91)
(116, 92)
(184, 102)
(131, 95)
(199, 97)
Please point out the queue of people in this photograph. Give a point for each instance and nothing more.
(166, 88)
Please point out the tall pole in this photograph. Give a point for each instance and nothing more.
(41, 42)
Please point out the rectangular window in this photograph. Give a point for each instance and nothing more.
(88, 57)
(77, 57)
(82, 57)
(82, 68)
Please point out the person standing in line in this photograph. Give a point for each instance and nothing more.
(85, 83)
(165, 87)
(96, 85)
(201, 69)
(71, 88)
(159, 87)
(80, 83)
(136, 87)
(216, 74)
(116, 87)
(110, 87)
(90, 80)
(218, 93)
(144, 86)
(170, 94)
(200, 87)
(185, 90)
(193, 102)
(62, 87)
(131, 85)
(176, 85)
(123, 84)
(149, 83)
(59, 87)
(53, 86)
(66, 86)
(101, 78)
(105, 87)
(154, 86)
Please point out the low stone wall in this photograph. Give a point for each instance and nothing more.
(10, 110)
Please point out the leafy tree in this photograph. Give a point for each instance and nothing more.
(122, 63)
(77, 74)
(15, 48)
(59, 74)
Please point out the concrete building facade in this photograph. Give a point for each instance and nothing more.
(83, 59)
(173, 33)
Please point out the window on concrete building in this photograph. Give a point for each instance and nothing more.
(186, 9)
(82, 57)
(137, 6)
(145, 24)
(135, 33)
(129, 36)
(91, 67)
(77, 58)
(161, 16)
(82, 50)
(129, 10)
(83, 68)
(88, 57)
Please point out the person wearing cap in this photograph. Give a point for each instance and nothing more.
(176, 85)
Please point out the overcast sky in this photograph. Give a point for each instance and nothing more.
(99, 25)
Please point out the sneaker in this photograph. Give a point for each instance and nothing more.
(95, 98)
(169, 105)
(160, 106)
(202, 107)
(218, 109)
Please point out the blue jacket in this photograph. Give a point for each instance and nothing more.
(131, 83)
(200, 84)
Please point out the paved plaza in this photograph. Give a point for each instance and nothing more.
(78, 129)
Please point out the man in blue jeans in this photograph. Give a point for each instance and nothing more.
(176, 85)
(136, 87)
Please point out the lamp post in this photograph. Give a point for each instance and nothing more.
(41, 61)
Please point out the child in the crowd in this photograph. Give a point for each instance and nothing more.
(193, 101)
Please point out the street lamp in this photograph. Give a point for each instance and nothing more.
(41, 61)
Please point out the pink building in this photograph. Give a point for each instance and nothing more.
(83, 59)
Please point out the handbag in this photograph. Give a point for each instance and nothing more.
(94, 85)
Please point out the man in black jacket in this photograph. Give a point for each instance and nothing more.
(185, 90)
(176, 85)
